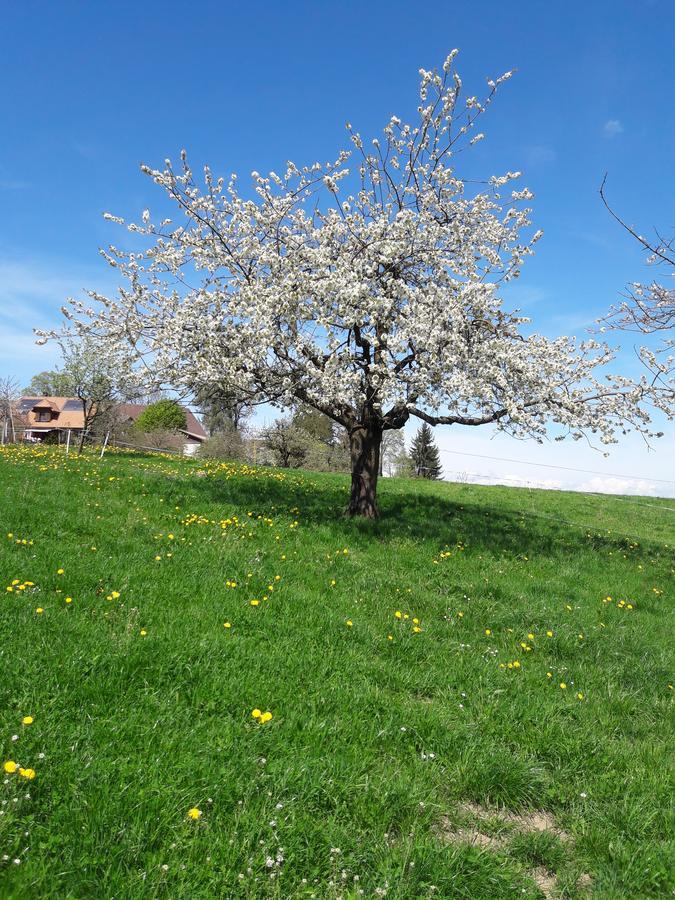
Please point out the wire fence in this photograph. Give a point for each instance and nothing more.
(70, 440)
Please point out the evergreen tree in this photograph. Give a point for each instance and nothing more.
(424, 453)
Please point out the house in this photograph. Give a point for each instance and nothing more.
(55, 417)
(127, 413)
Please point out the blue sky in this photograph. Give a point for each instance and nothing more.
(89, 91)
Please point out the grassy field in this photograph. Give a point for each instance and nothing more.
(458, 707)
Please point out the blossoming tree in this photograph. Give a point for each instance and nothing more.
(366, 288)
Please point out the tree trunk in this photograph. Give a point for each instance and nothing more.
(364, 446)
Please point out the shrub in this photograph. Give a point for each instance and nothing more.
(165, 415)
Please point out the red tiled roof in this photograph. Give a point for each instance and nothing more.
(46, 403)
(61, 417)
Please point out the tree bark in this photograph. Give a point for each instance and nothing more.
(364, 444)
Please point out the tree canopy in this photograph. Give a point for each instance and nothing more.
(51, 383)
(221, 408)
(165, 415)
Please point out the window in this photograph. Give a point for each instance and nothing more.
(43, 415)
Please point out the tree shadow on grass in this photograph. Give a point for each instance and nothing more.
(406, 512)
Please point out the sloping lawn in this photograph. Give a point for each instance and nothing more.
(469, 697)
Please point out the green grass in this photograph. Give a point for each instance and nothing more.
(373, 741)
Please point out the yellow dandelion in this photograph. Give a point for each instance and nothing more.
(349, 623)
(256, 713)
(39, 610)
(580, 696)
(27, 773)
(549, 634)
(563, 686)
(488, 632)
(27, 720)
(266, 716)
(194, 813)
(255, 602)
(398, 614)
(60, 571)
(227, 625)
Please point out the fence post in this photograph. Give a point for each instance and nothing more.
(105, 444)
(67, 442)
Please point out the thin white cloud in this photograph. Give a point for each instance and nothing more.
(26, 288)
(611, 485)
(13, 184)
(595, 485)
(612, 127)
(524, 295)
(509, 480)
(30, 286)
(31, 294)
(482, 457)
(590, 237)
(86, 149)
(20, 355)
(539, 155)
